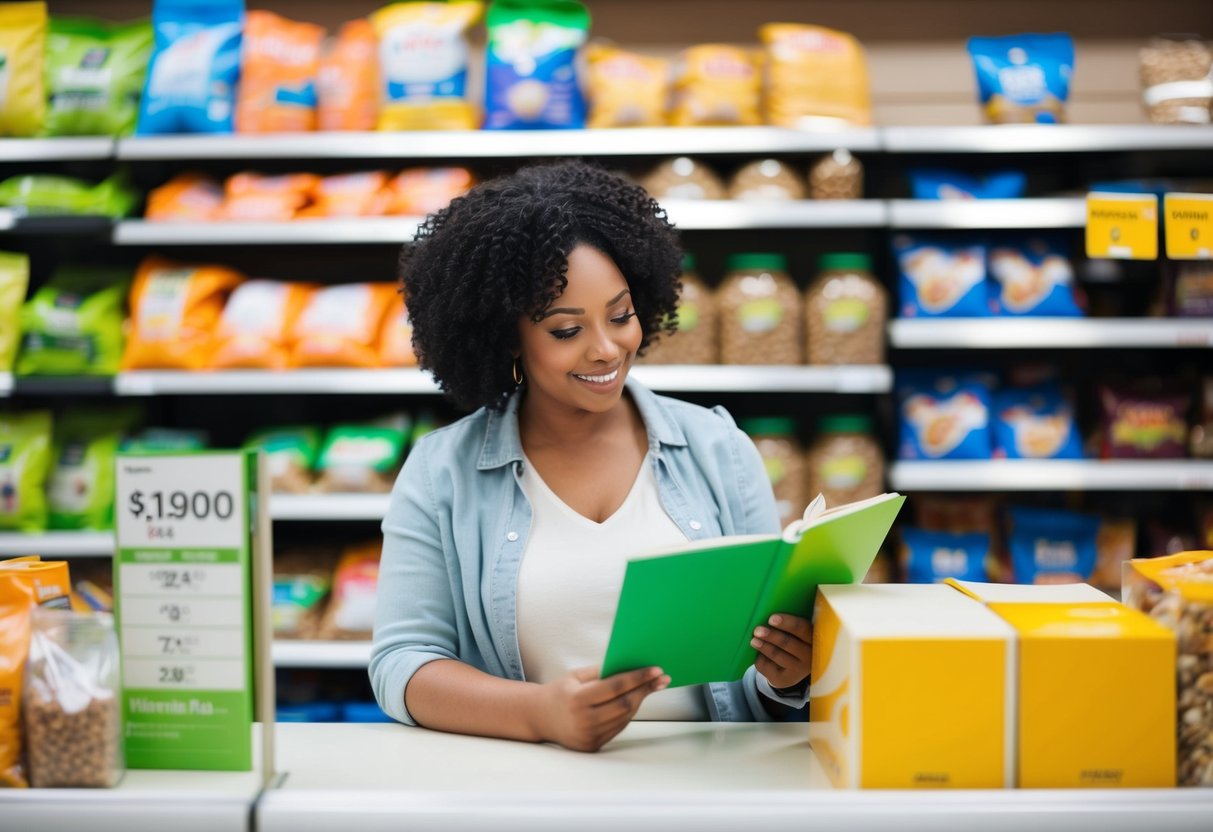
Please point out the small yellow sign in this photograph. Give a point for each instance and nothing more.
(1189, 226)
(1122, 226)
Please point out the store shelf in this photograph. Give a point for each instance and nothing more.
(713, 378)
(489, 144)
(55, 150)
(62, 385)
(343, 654)
(391, 230)
(988, 213)
(339, 381)
(328, 506)
(57, 544)
(6, 384)
(1046, 138)
(1052, 475)
(16, 221)
(1050, 333)
(723, 215)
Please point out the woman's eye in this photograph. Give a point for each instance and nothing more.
(623, 319)
(562, 334)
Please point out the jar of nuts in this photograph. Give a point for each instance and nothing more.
(72, 725)
(783, 458)
(845, 462)
(838, 175)
(1176, 85)
(760, 312)
(696, 340)
(845, 312)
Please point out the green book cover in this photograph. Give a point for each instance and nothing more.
(692, 610)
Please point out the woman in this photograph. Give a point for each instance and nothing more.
(508, 532)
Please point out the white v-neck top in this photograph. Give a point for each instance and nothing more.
(569, 581)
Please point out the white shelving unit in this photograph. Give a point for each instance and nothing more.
(56, 150)
(328, 506)
(393, 230)
(1047, 333)
(713, 378)
(1045, 138)
(57, 544)
(484, 144)
(722, 215)
(987, 213)
(321, 382)
(329, 654)
(1052, 475)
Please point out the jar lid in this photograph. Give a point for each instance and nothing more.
(688, 262)
(758, 262)
(849, 423)
(845, 261)
(769, 426)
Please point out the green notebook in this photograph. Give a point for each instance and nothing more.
(692, 610)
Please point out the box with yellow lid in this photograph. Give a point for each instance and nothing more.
(1096, 687)
(913, 687)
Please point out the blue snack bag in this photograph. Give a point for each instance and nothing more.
(1050, 546)
(531, 65)
(944, 416)
(1023, 78)
(1035, 423)
(191, 79)
(1032, 277)
(944, 184)
(940, 279)
(931, 557)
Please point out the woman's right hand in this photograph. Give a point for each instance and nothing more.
(583, 712)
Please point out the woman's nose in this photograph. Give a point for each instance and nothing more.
(602, 347)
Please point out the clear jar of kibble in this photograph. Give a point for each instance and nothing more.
(783, 457)
(845, 462)
(697, 339)
(760, 312)
(845, 312)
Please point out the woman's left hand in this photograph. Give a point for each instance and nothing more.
(785, 649)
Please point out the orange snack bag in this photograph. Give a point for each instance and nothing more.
(425, 190)
(340, 326)
(815, 77)
(279, 62)
(256, 323)
(362, 194)
(347, 85)
(189, 197)
(174, 311)
(396, 341)
(252, 196)
(24, 584)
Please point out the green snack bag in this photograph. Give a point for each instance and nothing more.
(73, 324)
(14, 280)
(292, 453)
(80, 490)
(165, 440)
(25, 443)
(94, 73)
(45, 193)
(361, 458)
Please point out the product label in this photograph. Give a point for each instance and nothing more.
(1122, 226)
(760, 316)
(1189, 226)
(844, 472)
(845, 315)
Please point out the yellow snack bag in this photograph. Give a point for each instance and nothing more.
(423, 62)
(14, 280)
(340, 326)
(255, 326)
(175, 309)
(815, 76)
(22, 45)
(626, 89)
(716, 84)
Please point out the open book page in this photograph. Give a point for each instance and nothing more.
(816, 513)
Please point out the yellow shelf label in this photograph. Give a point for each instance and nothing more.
(1122, 226)
(1189, 226)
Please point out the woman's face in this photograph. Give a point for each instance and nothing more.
(578, 355)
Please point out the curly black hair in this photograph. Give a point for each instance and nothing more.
(501, 251)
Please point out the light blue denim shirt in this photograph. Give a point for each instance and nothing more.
(458, 522)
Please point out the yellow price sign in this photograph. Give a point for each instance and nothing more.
(1122, 226)
(1189, 226)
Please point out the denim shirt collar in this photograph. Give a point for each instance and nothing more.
(503, 443)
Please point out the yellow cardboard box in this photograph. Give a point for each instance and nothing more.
(1096, 688)
(913, 687)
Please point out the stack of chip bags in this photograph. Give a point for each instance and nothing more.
(815, 77)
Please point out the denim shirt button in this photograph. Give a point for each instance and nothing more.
(512, 536)
(696, 525)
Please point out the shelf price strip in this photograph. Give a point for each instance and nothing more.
(183, 588)
(1122, 226)
(1189, 226)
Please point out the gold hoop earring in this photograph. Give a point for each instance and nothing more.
(516, 370)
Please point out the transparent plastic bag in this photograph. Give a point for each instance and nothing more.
(72, 719)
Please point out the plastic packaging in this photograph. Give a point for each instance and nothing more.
(940, 278)
(716, 84)
(25, 448)
(845, 462)
(1035, 423)
(187, 197)
(44, 193)
(359, 194)
(420, 191)
(341, 325)
(254, 329)
(626, 89)
(396, 340)
(1143, 421)
(14, 280)
(277, 91)
(697, 339)
(1033, 276)
(94, 72)
(1023, 78)
(259, 198)
(347, 81)
(291, 453)
(73, 323)
(80, 488)
(22, 43)
(816, 77)
(766, 180)
(760, 312)
(72, 709)
(784, 460)
(930, 557)
(1052, 547)
(362, 459)
(845, 312)
(837, 175)
(946, 184)
(683, 178)
(944, 416)
(1176, 80)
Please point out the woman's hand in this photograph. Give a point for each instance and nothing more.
(582, 712)
(785, 650)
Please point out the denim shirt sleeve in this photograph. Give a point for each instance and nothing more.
(415, 610)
